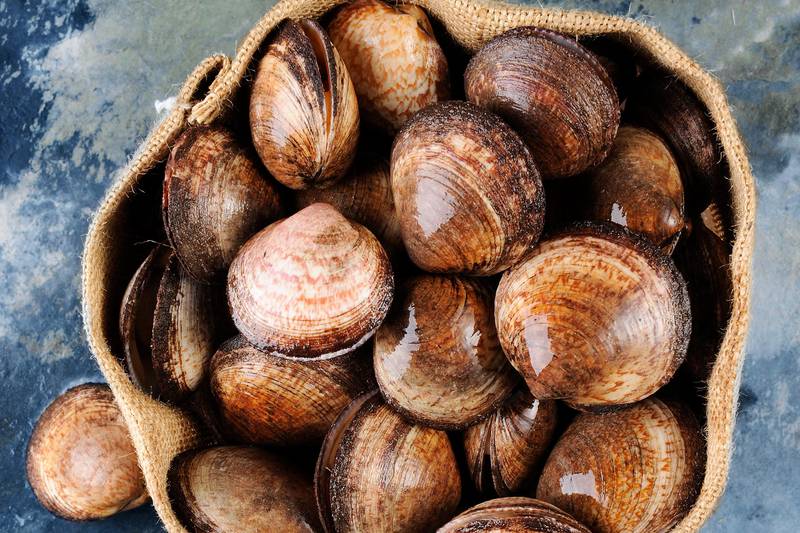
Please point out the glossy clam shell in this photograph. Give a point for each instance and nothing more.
(437, 358)
(310, 285)
(303, 109)
(81, 463)
(597, 316)
(393, 58)
(239, 488)
(505, 450)
(364, 196)
(216, 195)
(665, 105)
(704, 260)
(636, 470)
(513, 515)
(551, 90)
(454, 218)
(638, 186)
(188, 320)
(377, 472)
(265, 399)
(136, 318)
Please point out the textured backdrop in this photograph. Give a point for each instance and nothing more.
(81, 82)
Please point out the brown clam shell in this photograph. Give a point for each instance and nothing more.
(393, 58)
(136, 318)
(242, 489)
(597, 316)
(638, 186)
(81, 463)
(266, 399)
(364, 196)
(452, 217)
(553, 91)
(303, 108)
(665, 105)
(216, 195)
(437, 358)
(704, 260)
(505, 450)
(310, 285)
(377, 472)
(186, 329)
(513, 515)
(636, 470)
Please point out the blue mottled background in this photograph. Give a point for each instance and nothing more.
(82, 81)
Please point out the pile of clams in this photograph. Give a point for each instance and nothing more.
(395, 311)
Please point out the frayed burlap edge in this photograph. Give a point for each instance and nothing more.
(160, 432)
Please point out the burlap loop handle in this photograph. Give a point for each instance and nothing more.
(160, 431)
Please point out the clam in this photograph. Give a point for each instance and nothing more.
(513, 515)
(666, 106)
(377, 472)
(553, 91)
(216, 196)
(704, 260)
(364, 196)
(597, 316)
(618, 59)
(453, 218)
(314, 284)
(81, 463)
(635, 470)
(638, 186)
(169, 325)
(393, 58)
(303, 109)
(505, 450)
(239, 488)
(266, 399)
(437, 358)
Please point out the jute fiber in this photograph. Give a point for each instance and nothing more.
(160, 431)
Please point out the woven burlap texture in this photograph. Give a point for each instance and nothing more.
(160, 432)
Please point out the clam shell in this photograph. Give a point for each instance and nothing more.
(186, 329)
(665, 105)
(239, 488)
(81, 463)
(597, 316)
(364, 196)
(551, 90)
(635, 470)
(216, 195)
(513, 515)
(638, 186)
(303, 108)
(377, 472)
(310, 285)
(452, 218)
(393, 58)
(505, 450)
(437, 358)
(136, 318)
(265, 399)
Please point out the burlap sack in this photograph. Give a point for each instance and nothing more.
(129, 215)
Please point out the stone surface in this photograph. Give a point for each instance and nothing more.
(81, 81)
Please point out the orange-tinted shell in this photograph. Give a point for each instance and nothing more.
(553, 91)
(632, 471)
(310, 285)
(393, 58)
(467, 192)
(597, 316)
(80, 462)
(513, 515)
(437, 357)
